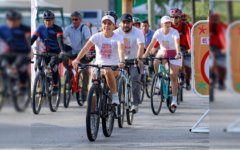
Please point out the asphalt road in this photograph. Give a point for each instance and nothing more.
(66, 128)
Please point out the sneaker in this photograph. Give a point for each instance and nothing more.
(188, 85)
(84, 97)
(55, 90)
(115, 99)
(134, 109)
(174, 104)
(221, 86)
(92, 122)
(22, 90)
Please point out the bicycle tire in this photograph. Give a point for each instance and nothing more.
(79, 93)
(67, 87)
(3, 91)
(54, 107)
(121, 106)
(148, 86)
(129, 114)
(169, 101)
(142, 92)
(94, 91)
(22, 106)
(108, 115)
(39, 79)
(156, 91)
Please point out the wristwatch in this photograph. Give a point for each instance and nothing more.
(139, 58)
(179, 54)
(124, 62)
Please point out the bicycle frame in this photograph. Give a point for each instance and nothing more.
(75, 80)
(127, 84)
(162, 70)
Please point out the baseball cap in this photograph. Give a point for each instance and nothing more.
(109, 18)
(165, 19)
(126, 17)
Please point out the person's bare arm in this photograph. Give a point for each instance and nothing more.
(140, 50)
(64, 39)
(150, 46)
(177, 45)
(121, 52)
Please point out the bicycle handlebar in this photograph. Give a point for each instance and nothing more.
(83, 66)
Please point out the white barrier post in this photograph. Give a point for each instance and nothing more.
(201, 73)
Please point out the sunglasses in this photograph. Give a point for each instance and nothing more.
(74, 19)
(176, 17)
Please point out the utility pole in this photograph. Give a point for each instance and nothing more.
(229, 10)
(193, 11)
(151, 14)
(127, 6)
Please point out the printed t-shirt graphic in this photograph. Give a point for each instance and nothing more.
(127, 43)
(106, 51)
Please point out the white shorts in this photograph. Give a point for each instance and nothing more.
(177, 62)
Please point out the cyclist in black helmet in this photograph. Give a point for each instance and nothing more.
(15, 39)
(54, 35)
(136, 22)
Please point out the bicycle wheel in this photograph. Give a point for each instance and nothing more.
(148, 85)
(169, 101)
(108, 117)
(22, 101)
(129, 114)
(156, 94)
(67, 89)
(142, 92)
(79, 86)
(38, 92)
(179, 92)
(121, 106)
(54, 100)
(3, 90)
(93, 113)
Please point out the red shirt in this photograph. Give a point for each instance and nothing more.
(184, 39)
(218, 39)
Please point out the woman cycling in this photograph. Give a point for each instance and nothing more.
(169, 43)
(109, 51)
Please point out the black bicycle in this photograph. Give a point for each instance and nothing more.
(43, 85)
(99, 105)
(9, 83)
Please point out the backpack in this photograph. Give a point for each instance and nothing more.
(182, 30)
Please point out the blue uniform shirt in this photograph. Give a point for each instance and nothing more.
(14, 39)
(51, 35)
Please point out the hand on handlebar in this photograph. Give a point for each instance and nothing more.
(121, 65)
(75, 63)
(177, 56)
(140, 63)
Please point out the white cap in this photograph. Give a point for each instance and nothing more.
(165, 19)
(109, 18)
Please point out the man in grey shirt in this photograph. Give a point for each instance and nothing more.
(79, 34)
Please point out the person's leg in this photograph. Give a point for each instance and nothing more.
(174, 82)
(85, 81)
(111, 81)
(21, 64)
(136, 85)
(54, 69)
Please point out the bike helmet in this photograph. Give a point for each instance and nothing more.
(13, 14)
(113, 14)
(175, 12)
(136, 20)
(184, 16)
(48, 14)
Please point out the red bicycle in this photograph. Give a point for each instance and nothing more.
(73, 83)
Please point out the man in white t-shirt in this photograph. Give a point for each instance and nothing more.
(134, 48)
